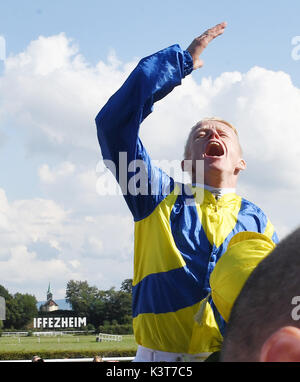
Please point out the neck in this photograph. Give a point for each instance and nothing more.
(217, 181)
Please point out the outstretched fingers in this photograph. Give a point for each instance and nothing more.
(200, 43)
(205, 38)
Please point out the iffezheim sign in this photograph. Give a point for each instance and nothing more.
(59, 322)
(2, 308)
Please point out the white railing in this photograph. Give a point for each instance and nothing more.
(108, 337)
(14, 334)
(105, 359)
(48, 333)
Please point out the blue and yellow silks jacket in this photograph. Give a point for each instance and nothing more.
(178, 239)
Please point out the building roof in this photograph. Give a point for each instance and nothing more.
(50, 302)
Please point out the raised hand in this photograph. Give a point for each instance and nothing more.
(201, 42)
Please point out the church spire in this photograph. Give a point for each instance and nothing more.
(49, 294)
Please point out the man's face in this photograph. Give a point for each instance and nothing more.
(218, 145)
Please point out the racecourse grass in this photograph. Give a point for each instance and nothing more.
(70, 346)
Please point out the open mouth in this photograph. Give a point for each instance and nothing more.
(214, 149)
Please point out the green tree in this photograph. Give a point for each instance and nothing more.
(20, 310)
(98, 311)
(126, 286)
(81, 296)
(118, 307)
(4, 293)
(101, 305)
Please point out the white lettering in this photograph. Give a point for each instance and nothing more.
(296, 311)
(64, 322)
(2, 48)
(106, 183)
(39, 322)
(123, 172)
(296, 50)
(81, 321)
(127, 372)
(71, 322)
(138, 183)
(59, 322)
(109, 373)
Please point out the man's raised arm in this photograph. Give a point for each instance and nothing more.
(119, 120)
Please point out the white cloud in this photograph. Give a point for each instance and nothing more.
(49, 96)
(42, 242)
(52, 95)
(50, 176)
(75, 263)
(24, 265)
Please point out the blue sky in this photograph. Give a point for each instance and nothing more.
(55, 175)
(259, 32)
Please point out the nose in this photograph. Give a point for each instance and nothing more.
(213, 134)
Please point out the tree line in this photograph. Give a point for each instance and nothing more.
(106, 310)
(20, 309)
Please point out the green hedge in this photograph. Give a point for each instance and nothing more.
(66, 354)
(116, 329)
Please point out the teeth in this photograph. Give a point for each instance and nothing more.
(217, 151)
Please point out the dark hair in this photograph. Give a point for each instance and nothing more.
(265, 302)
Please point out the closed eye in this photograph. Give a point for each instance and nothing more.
(201, 134)
(222, 133)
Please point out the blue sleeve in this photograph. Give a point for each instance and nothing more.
(118, 122)
(275, 238)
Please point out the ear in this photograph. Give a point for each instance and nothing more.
(182, 165)
(242, 165)
(186, 165)
(282, 346)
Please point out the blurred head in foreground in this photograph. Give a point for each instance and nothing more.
(97, 358)
(36, 358)
(264, 323)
